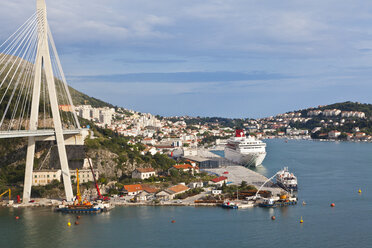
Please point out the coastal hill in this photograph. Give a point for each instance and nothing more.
(80, 98)
(343, 121)
(343, 106)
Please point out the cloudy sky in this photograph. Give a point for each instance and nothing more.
(231, 58)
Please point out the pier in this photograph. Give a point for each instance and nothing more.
(238, 173)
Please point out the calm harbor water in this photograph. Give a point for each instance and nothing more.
(327, 172)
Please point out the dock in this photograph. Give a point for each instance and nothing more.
(238, 173)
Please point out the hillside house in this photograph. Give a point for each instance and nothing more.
(218, 181)
(184, 168)
(143, 173)
(133, 189)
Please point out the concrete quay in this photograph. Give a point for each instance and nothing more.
(237, 173)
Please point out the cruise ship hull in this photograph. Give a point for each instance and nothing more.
(247, 159)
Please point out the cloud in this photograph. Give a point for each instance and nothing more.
(274, 51)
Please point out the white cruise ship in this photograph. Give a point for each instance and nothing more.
(247, 151)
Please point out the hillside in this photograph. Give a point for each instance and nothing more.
(344, 124)
(80, 98)
(343, 106)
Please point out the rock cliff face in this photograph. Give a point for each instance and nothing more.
(75, 156)
(105, 162)
(13, 151)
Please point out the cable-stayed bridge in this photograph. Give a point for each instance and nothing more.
(34, 96)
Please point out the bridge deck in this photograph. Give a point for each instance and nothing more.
(36, 133)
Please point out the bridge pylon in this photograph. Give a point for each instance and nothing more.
(43, 63)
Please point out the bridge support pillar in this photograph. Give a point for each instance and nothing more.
(43, 64)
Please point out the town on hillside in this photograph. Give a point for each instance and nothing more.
(188, 133)
(142, 158)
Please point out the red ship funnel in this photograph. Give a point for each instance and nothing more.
(239, 133)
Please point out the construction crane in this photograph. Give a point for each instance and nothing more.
(7, 191)
(95, 182)
(78, 195)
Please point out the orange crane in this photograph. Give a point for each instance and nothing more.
(78, 195)
(7, 191)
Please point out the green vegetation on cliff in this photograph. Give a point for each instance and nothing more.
(80, 98)
(127, 153)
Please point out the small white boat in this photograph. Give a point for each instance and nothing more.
(246, 204)
(286, 180)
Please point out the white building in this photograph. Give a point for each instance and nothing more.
(94, 113)
(105, 118)
(353, 114)
(314, 112)
(216, 192)
(331, 112)
(190, 152)
(143, 173)
(194, 185)
(84, 111)
(219, 181)
(85, 175)
(334, 134)
(44, 177)
(148, 141)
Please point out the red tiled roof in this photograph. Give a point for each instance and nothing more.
(144, 170)
(219, 179)
(183, 166)
(149, 189)
(133, 187)
(178, 188)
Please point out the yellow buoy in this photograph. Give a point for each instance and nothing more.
(68, 223)
(301, 221)
(359, 191)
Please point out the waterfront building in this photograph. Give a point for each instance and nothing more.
(143, 197)
(163, 195)
(44, 177)
(85, 175)
(184, 168)
(334, 134)
(149, 189)
(359, 135)
(171, 192)
(143, 173)
(218, 181)
(133, 189)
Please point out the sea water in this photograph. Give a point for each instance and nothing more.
(327, 172)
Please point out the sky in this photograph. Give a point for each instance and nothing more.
(227, 58)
